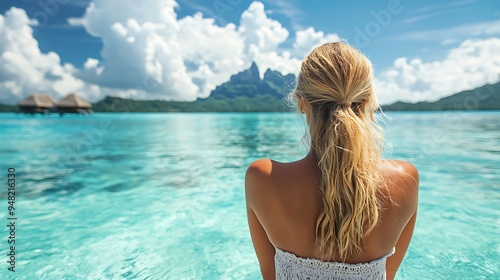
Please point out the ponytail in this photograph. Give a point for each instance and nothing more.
(348, 157)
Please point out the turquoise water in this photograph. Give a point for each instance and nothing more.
(160, 196)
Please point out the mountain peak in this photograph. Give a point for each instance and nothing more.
(254, 68)
(250, 75)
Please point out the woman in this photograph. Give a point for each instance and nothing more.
(341, 212)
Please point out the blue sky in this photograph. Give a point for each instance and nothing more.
(415, 45)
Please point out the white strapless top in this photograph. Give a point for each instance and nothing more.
(289, 266)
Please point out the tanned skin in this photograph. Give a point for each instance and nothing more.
(283, 204)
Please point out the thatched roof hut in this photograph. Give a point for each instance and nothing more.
(37, 103)
(73, 103)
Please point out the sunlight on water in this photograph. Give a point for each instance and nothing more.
(160, 196)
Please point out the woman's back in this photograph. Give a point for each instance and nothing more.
(286, 199)
(341, 203)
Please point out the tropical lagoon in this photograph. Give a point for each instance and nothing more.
(160, 196)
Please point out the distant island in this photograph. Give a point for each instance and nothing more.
(486, 97)
(247, 92)
(244, 92)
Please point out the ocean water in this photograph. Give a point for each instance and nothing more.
(160, 196)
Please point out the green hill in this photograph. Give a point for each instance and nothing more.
(8, 108)
(486, 97)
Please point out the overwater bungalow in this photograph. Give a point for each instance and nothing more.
(37, 103)
(73, 103)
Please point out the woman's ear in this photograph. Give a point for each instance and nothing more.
(301, 105)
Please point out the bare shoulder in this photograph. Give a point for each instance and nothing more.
(258, 172)
(399, 170)
(258, 180)
(260, 167)
(402, 180)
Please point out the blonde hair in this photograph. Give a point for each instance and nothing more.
(336, 81)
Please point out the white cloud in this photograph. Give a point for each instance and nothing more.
(212, 53)
(262, 37)
(259, 30)
(473, 63)
(91, 63)
(308, 38)
(24, 69)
